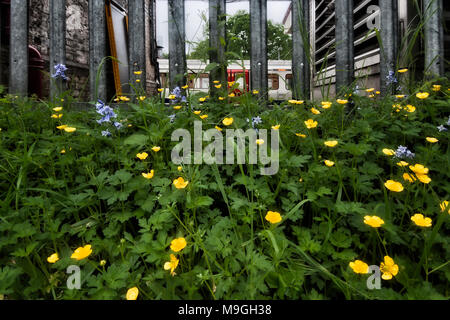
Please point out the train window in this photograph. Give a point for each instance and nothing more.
(273, 82)
(164, 80)
(288, 83)
(204, 81)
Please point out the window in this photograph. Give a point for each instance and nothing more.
(289, 81)
(273, 82)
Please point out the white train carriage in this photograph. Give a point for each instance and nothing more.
(279, 77)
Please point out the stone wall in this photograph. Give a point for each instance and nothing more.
(77, 45)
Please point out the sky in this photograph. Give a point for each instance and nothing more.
(194, 10)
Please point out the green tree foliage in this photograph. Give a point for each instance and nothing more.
(279, 44)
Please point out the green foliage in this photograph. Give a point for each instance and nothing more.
(279, 44)
(94, 193)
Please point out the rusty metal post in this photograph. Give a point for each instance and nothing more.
(217, 36)
(57, 35)
(301, 53)
(344, 44)
(389, 45)
(434, 37)
(136, 41)
(177, 44)
(97, 49)
(18, 56)
(258, 54)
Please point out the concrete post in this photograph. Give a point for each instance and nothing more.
(177, 44)
(434, 37)
(136, 42)
(389, 48)
(344, 44)
(57, 43)
(217, 36)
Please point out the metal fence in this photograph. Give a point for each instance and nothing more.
(301, 32)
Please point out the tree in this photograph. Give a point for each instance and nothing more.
(279, 44)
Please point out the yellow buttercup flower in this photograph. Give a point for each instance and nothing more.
(419, 169)
(216, 81)
(231, 95)
(180, 183)
(178, 244)
(326, 104)
(203, 117)
(299, 102)
(218, 86)
(359, 266)
(172, 264)
(394, 186)
(400, 96)
(70, 129)
(125, 99)
(172, 97)
(331, 144)
(142, 98)
(422, 95)
(402, 164)
(138, 80)
(228, 121)
(53, 258)
(177, 107)
(138, 73)
(219, 128)
(260, 142)
(63, 151)
(423, 178)
(389, 152)
(436, 87)
(160, 90)
(315, 111)
(58, 109)
(255, 91)
(402, 70)
(409, 177)
(149, 175)
(329, 163)
(273, 217)
(132, 294)
(142, 156)
(388, 268)
(82, 252)
(102, 263)
(444, 206)
(421, 221)
(221, 98)
(342, 101)
(180, 168)
(432, 140)
(197, 112)
(410, 108)
(311, 124)
(373, 221)
(57, 116)
(370, 90)
(277, 127)
(185, 87)
(301, 135)
(62, 127)
(231, 83)
(156, 149)
(202, 99)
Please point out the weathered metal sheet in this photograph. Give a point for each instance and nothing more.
(97, 49)
(57, 35)
(301, 53)
(18, 72)
(344, 44)
(177, 44)
(434, 37)
(217, 38)
(136, 41)
(258, 54)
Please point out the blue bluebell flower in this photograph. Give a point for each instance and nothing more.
(403, 152)
(106, 133)
(118, 125)
(60, 70)
(390, 79)
(448, 121)
(442, 128)
(172, 118)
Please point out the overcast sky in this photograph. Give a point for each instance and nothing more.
(194, 23)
